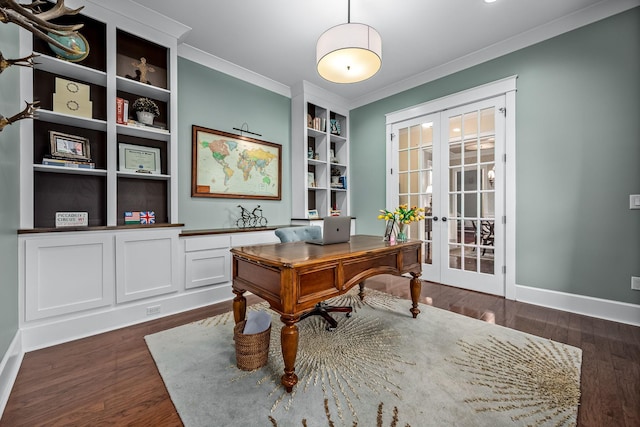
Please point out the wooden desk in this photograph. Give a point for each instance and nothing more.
(294, 277)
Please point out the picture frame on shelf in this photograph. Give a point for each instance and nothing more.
(139, 159)
(313, 214)
(72, 147)
(234, 166)
(311, 179)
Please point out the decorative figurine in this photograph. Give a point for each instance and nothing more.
(142, 68)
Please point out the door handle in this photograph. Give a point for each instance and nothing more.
(444, 219)
(435, 218)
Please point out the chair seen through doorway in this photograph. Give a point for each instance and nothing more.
(303, 233)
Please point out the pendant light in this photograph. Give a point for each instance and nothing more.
(349, 53)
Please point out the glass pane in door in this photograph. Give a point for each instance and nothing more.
(471, 191)
(415, 180)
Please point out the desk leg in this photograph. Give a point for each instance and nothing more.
(361, 293)
(239, 306)
(289, 343)
(416, 288)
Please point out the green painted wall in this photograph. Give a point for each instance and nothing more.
(215, 100)
(10, 104)
(578, 150)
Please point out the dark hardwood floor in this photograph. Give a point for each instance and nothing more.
(111, 379)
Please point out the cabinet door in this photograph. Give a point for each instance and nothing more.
(207, 267)
(145, 264)
(67, 274)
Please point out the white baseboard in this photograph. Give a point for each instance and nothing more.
(595, 307)
(9, 368)
(37, 335)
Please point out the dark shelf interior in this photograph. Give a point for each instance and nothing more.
(130, 51)
(136, 195)
(93, 31)
(44, 86)
(59, 192)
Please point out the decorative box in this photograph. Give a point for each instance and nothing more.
(132, 217)
(72, 98)
(147, 217)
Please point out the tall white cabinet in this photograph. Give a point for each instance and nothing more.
(75, 282)
(320, 149)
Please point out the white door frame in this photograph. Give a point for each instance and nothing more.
(506, 87)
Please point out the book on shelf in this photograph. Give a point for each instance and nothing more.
(122, 111)
(68, 163)
(160, 127)
(343, 182)
(319, 123)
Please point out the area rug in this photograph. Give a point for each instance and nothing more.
(380, 367)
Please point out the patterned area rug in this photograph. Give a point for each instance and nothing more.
(380, 367)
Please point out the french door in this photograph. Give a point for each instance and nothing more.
(451, 163)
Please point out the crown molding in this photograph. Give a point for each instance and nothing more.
(586, 16)
(138, 13)
(215, 63)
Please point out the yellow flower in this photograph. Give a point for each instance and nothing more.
(402, 214)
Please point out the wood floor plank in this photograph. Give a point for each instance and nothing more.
(111, 378)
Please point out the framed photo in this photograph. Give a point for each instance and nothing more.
(69, 146)
(138, 158)
(311, 179)
(234, 166)
(313, 214)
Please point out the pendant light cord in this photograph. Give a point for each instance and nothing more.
(348, 11)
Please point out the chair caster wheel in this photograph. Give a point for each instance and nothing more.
(330, 328)
(348, 315)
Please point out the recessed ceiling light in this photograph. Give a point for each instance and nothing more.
(489, 1)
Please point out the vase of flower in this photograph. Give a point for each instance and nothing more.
(403, 232)
(400, 218)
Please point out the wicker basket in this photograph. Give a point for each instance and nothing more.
(252, 350)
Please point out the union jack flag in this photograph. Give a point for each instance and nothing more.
(148, 217)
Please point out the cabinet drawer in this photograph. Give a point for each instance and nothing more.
(202, 243)
(207, 267)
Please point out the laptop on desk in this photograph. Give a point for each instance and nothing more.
(336, 229)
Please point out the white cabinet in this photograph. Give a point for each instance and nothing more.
(207, 261)
(67, 274)
(320, 151)
(145, 264)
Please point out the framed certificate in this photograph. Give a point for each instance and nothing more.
(138, 158)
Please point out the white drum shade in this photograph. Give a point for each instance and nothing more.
(349, 53)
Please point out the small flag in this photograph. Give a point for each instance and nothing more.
(148, 217)
(132, 217)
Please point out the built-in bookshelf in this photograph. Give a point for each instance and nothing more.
(119, 50)
(320, 149)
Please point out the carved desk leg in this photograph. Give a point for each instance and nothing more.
(239, 306)
(416, 288)
(289, 343)
(361, 293)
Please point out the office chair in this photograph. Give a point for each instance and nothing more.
(296, 234)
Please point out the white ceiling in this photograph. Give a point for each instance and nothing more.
(421, 39)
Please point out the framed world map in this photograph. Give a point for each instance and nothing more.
(234, 166)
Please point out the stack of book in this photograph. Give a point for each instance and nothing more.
(319, 123)
(68, 163)
(134, 123)
(122, 111)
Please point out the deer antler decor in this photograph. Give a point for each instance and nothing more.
(28, 113)
(26, 61)
(31, 18)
